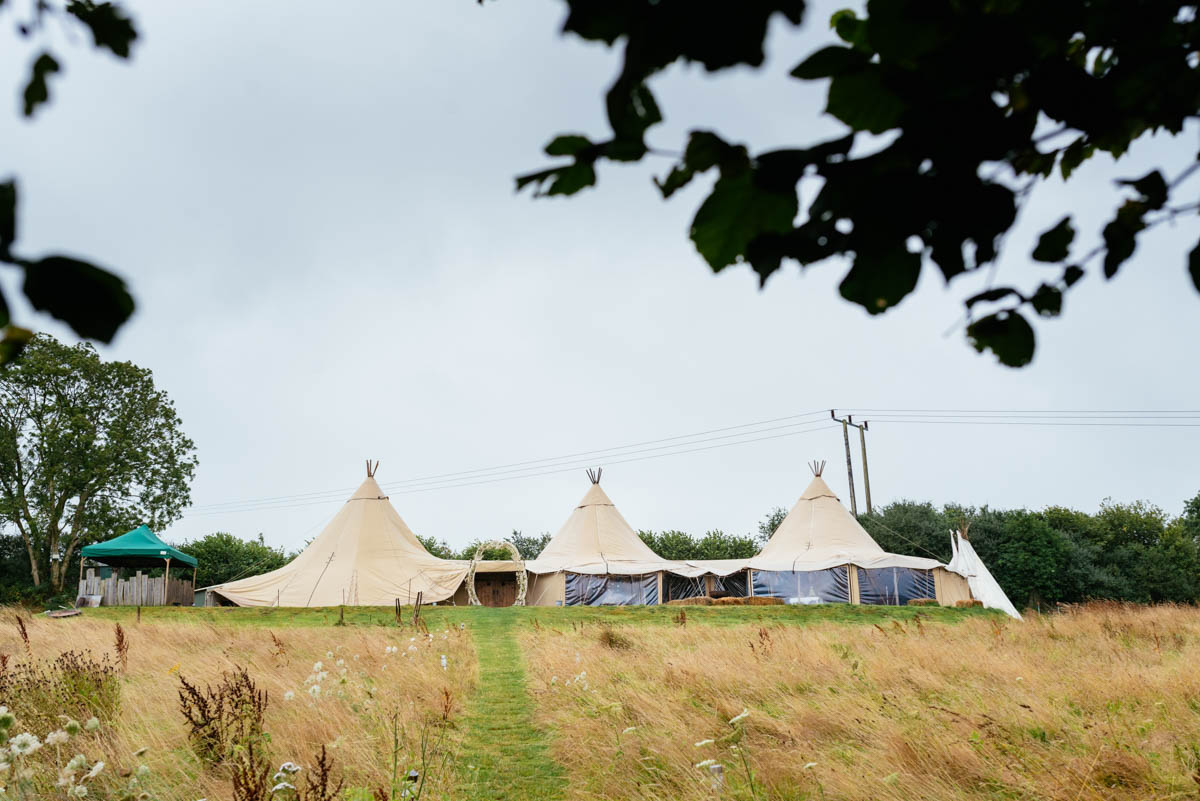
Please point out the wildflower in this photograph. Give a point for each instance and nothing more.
(809, 765)
(554, 679)
(318, 665)
(1020, 679)
(171, 671)
(290, 767)
(143, 771)
(282, 786)
(322, 675)
(329, 654)
(443, 661)
(356, 657)
(289, 695)
(72, 727)
(745, 713)
(706, 763)
(95, 771)
(629, 729)
(314, 690)
(24, 744)
(79, 791)
(57, 737)
(78, 762)
(341, 662)
(92, 724)
(703, 743)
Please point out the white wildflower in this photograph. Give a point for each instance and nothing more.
(289, 695)
(78, 762)
(329, 654)
(314, 690)
(92, 724)
(57, 737)
(95, 771)
(322, 675)
(341, 662)
(703, 743)
(143, 771)
(443, 661)
(745, 713)
(629, 729)
(290, 767)
(706, 763)
(79, 791)
(318, 665)
(24, 744)
(554, 679)
(282, 786)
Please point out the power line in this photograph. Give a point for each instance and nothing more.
(822, 425)
(338, 493)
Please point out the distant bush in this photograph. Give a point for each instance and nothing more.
(611, 638)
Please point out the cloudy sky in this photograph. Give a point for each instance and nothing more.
(314, 208)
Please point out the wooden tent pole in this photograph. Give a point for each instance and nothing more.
(166, 577)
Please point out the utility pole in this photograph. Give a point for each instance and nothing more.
(862, 439)
(849, 466)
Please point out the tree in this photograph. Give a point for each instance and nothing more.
(715, 544)
(439, 548)
(90, 299)
(224, 557)
(88, 449)
(911, 527)
(766, 528)
(1028, 558)
(981, 103)
(528, 546)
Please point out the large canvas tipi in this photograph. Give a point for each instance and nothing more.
(820, 553)
(596, 559)
(367, 555)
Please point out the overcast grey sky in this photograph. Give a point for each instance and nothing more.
(313, 205)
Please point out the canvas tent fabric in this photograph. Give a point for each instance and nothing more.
(819, 533)
(984, 587)
(367, 556)
(597, 540)
(138, 548)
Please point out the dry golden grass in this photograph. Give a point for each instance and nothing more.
(353, 717)
(1101, 703)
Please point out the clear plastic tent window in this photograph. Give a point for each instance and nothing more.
(830, 586)
(894, 586)
(587, 590)
(732, 586)
(678, 587)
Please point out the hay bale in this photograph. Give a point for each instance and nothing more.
(700, 600)
(968, 603)
(922, 602)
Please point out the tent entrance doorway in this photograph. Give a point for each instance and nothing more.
(496, 589)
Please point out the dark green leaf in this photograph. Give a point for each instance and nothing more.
(827, 62)
(1054, 244)
(37, 91)
(572, 178)
(1119, 236)
(1007, 334)
(567, 145)
(1075, 154)
(13, 342)
(704, 151)
(860, 100)
(1047, 301)
(1152, 187)
(1194, 266)
(850, 28)
(737, 211)
(8, 216)
(991, 295)
(110, 27)
(880, 280)
(1072, 274)
(94, 302)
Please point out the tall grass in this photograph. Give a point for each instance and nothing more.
(1099, 703)
(363, 687)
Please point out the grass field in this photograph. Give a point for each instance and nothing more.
(832, 702)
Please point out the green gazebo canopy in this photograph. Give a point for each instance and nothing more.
(137, 548)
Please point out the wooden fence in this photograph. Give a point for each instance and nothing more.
(137, 590)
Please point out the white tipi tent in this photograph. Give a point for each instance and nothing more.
(983, 586)
(596, 558)
(367, 555)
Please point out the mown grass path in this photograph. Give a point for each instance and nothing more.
(503, 755)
